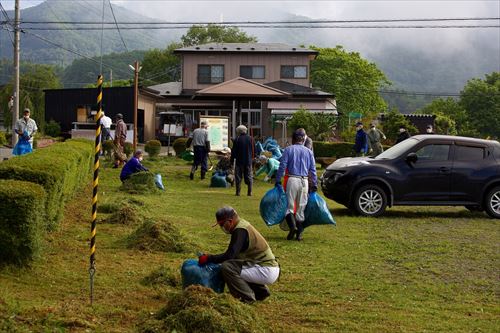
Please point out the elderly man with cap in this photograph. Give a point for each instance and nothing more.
(242, 153)
(105, 127)
(375, 136)
(201, 146)
(300, 163)
(119, 141)
(248, 265)
(133, 165)
(224, 165)
(26, 127)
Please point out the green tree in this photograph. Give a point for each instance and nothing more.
(34, 79)
(354, 81)
(451, 117)
(161, 65)
(392, 121)
(213, 33)
(481, 101)
(117, 83)
(318, 126)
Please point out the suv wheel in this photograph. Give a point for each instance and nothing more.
(493, 203)
(370, 200)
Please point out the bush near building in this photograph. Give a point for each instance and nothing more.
(179, 146)
(153, 148)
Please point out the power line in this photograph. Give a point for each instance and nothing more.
(279, 27)
(72, 51)
(117, 27)
(276, 22)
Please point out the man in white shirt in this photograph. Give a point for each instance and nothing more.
(26, 127)
(105, 127)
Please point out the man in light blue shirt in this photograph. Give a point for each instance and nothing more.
(300, 163)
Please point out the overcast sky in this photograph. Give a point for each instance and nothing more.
(244, 10)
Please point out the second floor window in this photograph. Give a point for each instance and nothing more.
(210, 73)
(252, 72)
(294, 72)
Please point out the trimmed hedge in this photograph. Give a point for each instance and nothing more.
(333, 149)
(153, 148)
(60, 169)
(179, 146)
(21, 223)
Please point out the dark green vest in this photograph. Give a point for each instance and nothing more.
(258, 251)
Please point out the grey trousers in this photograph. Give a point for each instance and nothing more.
(245, 291)
(297, 194)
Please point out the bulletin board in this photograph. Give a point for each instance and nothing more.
(218, 131)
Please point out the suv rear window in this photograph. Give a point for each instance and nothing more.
(467, 153)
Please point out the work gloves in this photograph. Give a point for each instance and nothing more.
(314, 188)
(266, 178)
(203, 259)
(277, 184)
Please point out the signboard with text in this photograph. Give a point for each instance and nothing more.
(218, 131)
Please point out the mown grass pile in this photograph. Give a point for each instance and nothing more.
(140, 183)
(126, 214)
(162, 276)
(158, 236)
(200, 309)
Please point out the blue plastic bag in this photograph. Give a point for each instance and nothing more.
(317, 211)
(158, 182)
(22, 146)
(208, 275)
(218, 180)
(273, 206)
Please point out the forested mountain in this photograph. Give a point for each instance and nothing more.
(87, 42)
(438, 61)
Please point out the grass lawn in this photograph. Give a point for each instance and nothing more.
(420, 269)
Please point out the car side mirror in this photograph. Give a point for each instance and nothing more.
(411, 158)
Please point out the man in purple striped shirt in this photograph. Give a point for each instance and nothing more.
(300, 163)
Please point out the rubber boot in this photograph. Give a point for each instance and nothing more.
(191, 175)
(290, 220)
(249, 192)
(238, 189)
(300, 230)
(203, 174)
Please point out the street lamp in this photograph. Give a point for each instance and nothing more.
(136, 68)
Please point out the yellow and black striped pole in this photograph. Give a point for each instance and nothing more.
(95, 184)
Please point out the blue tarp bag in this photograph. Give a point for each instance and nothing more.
(158, 182)
(273, 206)
(208, 275)
(218, 180)
(22, 146)
(317, 211)
(258, 148)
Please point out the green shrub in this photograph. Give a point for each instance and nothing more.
(21, 222)
(179, 146)
(3, 139)
(128, 149)
(333, 149)
(153, 148)
(53, 129)
(60, 169)
(107, 148)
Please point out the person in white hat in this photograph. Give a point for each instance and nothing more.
(224, 165)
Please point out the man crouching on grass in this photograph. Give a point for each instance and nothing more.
(248, 264)
(132, 166)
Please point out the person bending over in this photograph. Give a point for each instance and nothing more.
(248, 265)
(133, 165)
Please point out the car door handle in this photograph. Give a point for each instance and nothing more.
(444, 169)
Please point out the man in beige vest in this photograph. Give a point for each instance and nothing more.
(248, 265)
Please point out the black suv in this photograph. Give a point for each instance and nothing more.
(435, 170)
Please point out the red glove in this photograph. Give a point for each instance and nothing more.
(203, 259)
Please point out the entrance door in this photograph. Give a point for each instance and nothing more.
(140, 125)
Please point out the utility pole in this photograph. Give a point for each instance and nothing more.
(136, 99)
(17, 42)
(111, 78)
